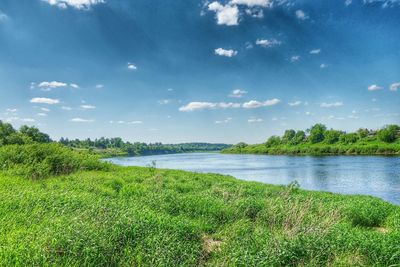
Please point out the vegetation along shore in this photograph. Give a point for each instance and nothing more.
(318, 140)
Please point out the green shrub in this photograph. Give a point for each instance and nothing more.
(37, 161)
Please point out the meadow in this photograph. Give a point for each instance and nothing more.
(78, 211)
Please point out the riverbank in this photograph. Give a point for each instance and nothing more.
(361, 148)
(99, 214)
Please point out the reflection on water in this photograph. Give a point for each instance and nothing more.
(369, 175)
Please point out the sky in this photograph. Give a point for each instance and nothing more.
(193, 70)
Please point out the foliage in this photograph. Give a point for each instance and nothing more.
(26, 135)
(150, 217)
(321, 141)
(37, 161)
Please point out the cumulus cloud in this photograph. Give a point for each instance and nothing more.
(225, 53)
(44, 100)
(374, 87)
(78, 4)
(394, 86)
(267, 43)
(331, 105)
(256, 104)
(315, 51)
(132, 66)
(80, 120)
(296, 103)
(225, 14)
(238, 93)
(254, 120)
(88, 106)
(300, 14)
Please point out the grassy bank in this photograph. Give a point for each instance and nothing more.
(109, 216)
(319, 141)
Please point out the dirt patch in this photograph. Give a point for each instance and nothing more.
(210, 244)
(382, 230)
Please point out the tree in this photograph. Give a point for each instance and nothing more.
(299, 138)
(6, 130)
(288, 136)
(349, 138)
(362, 133)
(317, 133)
(332, 136)
(388, 134)
(273, 141)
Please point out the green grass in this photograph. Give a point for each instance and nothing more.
(131, 216)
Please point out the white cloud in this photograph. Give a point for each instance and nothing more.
(126, 122)
(301, 15)
(254, 120)
(45, 109)
(74, 85)
(28, 120)
(47, 86)
(44, 100)
(164, 101)
(374, 87)
(66, 108)
(3, 17)
(394, 86)
(256, 104)
(99, 86)
(132, 66)
(296, 103)
(252, 3)
(348, 2)
(192, 106)
(12, 110)
(88, 106)
(225, 14)
(315, 51)
(225, 53)
(78, 4)
(42, 114)
(80, 120)
(237, 93)
(255, 13)
(227, 120)
(323, 66)
(331, 105)
(267, 43)
(294, 58)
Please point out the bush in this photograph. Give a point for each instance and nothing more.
(37, 161)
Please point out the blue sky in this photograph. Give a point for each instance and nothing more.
(216, 71)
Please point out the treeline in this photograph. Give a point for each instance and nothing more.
(138, 148)
(102, 146)
(320, 140)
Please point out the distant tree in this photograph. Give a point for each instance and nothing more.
(349, 138)
(388, 134)
(362, 133)
(332, 136)
(317, 133)
(288, 136)
(273, 141)
(6, 130)
(299, 138)
(241, 145)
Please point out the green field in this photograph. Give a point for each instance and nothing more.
(79, 212)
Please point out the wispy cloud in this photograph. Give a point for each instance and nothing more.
(394, 86)
(252, 3)
(126, 122)
(300, 14)
(254, 120)
(267, 42)
(331, 105)
(256, 104)
(227, 120)
(315, 51)
(193, 106)
(295, 103)
(294, 58)
(88, 106)
(81, 120)
(44, 100)
(237, 93)
(78, 4)
(47, 86)
(66, 108)
(3, 17)
(225, 53)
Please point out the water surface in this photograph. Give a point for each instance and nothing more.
(368, 175)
